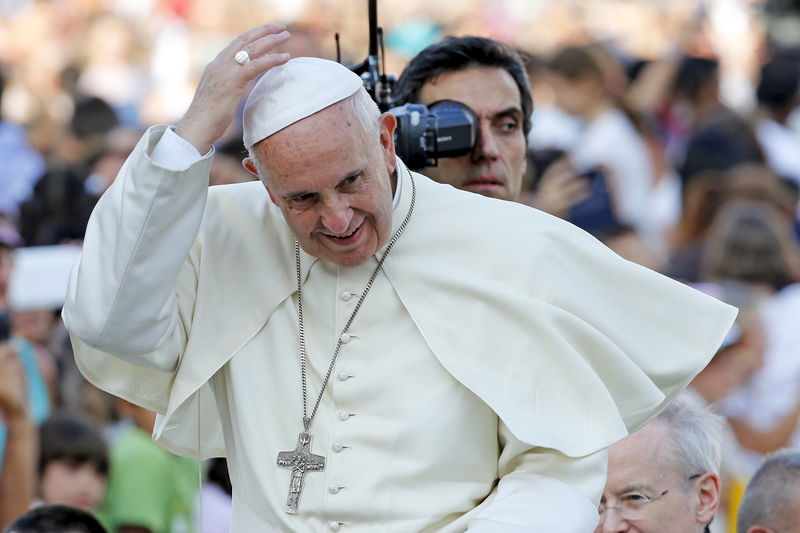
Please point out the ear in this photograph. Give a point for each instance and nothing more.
(250, 166)
(708, 495)
(388, 123)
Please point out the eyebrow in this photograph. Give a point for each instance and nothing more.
(634, 487)
(508, 112)
(296, 194)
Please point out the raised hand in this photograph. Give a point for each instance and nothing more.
(225, 81)
(560, 188)
(13, 392)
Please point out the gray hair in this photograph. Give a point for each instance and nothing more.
(770, 495)
(694, 437)
(365, 110)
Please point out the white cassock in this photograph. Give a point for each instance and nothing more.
(498, 353)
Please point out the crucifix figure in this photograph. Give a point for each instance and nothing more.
(300, 460)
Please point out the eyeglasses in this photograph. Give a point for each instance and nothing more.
(632, 504)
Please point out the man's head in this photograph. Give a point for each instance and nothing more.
(771, 503)
(328, 165)
(778, 85)
(487, 76)
(664, 478)
(73, 463)
(55, 519)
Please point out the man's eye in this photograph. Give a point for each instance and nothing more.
(349, 180)
(302, 200)
(635, 497)
(509, 126)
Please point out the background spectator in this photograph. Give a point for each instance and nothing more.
(772, 500)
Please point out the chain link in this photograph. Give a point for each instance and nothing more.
(303, 356)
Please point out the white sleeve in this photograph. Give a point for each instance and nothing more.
(174, 152)
(121, 297)
(531, 503)
(542, 490)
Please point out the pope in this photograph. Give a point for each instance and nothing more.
(371, 350)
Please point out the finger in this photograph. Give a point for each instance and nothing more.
(253, 35)
(265, 44)
(576, 192)
(266, 62)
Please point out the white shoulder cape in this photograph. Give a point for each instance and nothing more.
(572, 346)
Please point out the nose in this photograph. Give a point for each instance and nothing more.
(487, 146)
(336, 216)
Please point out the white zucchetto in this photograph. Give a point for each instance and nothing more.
(293, 91)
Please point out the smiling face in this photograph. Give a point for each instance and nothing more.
(496, 164)
(333, 182)
(640, 467)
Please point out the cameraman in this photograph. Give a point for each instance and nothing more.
(488, 77)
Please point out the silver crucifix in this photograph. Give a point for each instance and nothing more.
(299, 461)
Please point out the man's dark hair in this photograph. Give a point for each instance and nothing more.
(55, 519)
(92, 116)
(778, 84)
(772, 493)
(67, 437)
(694, 73)
(461, 53)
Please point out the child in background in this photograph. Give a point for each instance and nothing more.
(73, 463)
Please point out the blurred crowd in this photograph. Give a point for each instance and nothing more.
(669, 129)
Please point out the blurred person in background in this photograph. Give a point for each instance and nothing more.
(705, 196)
(55, 519)
(589, 83)
(693, 97)
(110, 66)
(771, 503)
(27, 382)
(777, 96)
(73, 462)
(753, 243)
(149, 489)
(488, 77)
(9, 239)
(18, 449)
(59, 208)
(214, 499)
(21, 167)
(664, 478)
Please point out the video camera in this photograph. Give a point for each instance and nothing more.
(424, 133)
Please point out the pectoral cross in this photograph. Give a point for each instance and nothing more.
(300, 460)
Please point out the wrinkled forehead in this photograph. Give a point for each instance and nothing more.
(640, 458)
(324, 146)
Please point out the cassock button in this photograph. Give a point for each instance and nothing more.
(346, 296)
(343, 376)
(334, 489)
(345, 338)
(337, 447)
(334, 526)
(343, 415)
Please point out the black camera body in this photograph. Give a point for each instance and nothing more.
(424, 133)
